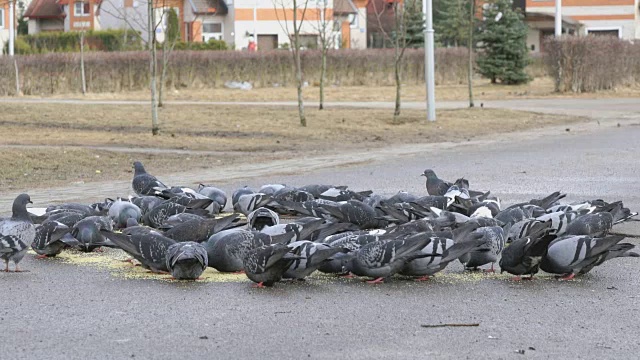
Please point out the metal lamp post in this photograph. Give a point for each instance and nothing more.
(429, 59)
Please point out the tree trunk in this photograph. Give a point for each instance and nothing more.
(163, 74)
(298, 64)
(396, 111)
(153, 69)
(323, 72)
(472, 5)
(82, 76)
(15, 65)
(397, 56)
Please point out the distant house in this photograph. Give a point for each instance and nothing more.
(62, 15)
(4, 25)
(234, 21)
(619, 18)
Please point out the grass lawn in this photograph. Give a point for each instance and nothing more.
(57, 144)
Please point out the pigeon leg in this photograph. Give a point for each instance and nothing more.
(98, 250)
(424, 278)
(490, 270)
(6, 267)
(258, 285)
(17, 269)
(376, 281)
(348, 276)
(516, 278)
(530, 278)
(41, 256)
(238, 272)
(567, 277)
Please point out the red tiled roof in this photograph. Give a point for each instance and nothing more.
(44, 9)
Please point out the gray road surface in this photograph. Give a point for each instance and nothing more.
(62, 311)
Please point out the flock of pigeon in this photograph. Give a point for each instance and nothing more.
(181, 231)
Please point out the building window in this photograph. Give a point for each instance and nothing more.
(615, 31)
(353, 20)
(1, 18)
(211, 31)
(81, 8)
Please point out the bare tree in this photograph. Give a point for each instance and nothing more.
(150, 24)
(324, 26)
(153, 67)
(472, 17)
(397, 37)
(83, 79)
(294, 38)
(172, 34)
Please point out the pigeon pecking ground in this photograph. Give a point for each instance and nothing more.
(330, 232)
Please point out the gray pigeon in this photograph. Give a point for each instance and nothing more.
(199, 230)
(226, 250)
(16, 233)
(596, 225)
(312, 255)
(488, 253)
(435, 186)
(561, 220)
(80, 208)
(146, 203)
(522, 229)
(381, 259)
(177, 219)
(187, 260)
(265, 265)
(149, 247)
(160, 213)
(524, 254)
(577, 254)
(214, 194)
(262, 217)
(49, 239)
(301, 228)
(271, 189)
(120, 211)
(355, 212)
(310, 208)
(249, 202)
(439, 253)
(545, 202)
(340, 262)
(144, 183)
(87, 232)
(242, 191)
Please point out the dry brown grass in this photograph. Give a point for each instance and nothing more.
(233, 133)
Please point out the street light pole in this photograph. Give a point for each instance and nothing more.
(558, 28)
(429, 59)
(12, 22)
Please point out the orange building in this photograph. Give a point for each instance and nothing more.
(620, 18)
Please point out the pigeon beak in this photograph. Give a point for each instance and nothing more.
(30, 202)
(423, 175)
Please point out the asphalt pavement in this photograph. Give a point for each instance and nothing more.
(73, 311)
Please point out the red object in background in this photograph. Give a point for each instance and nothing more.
(252, 46)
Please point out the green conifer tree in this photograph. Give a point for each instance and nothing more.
(503, 40)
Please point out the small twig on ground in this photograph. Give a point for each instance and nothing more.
(448, 325)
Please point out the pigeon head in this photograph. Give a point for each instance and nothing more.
(20, 206)
(429, 174)
(138, 167)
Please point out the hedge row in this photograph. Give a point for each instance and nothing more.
(592, 63)
(126, 71)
